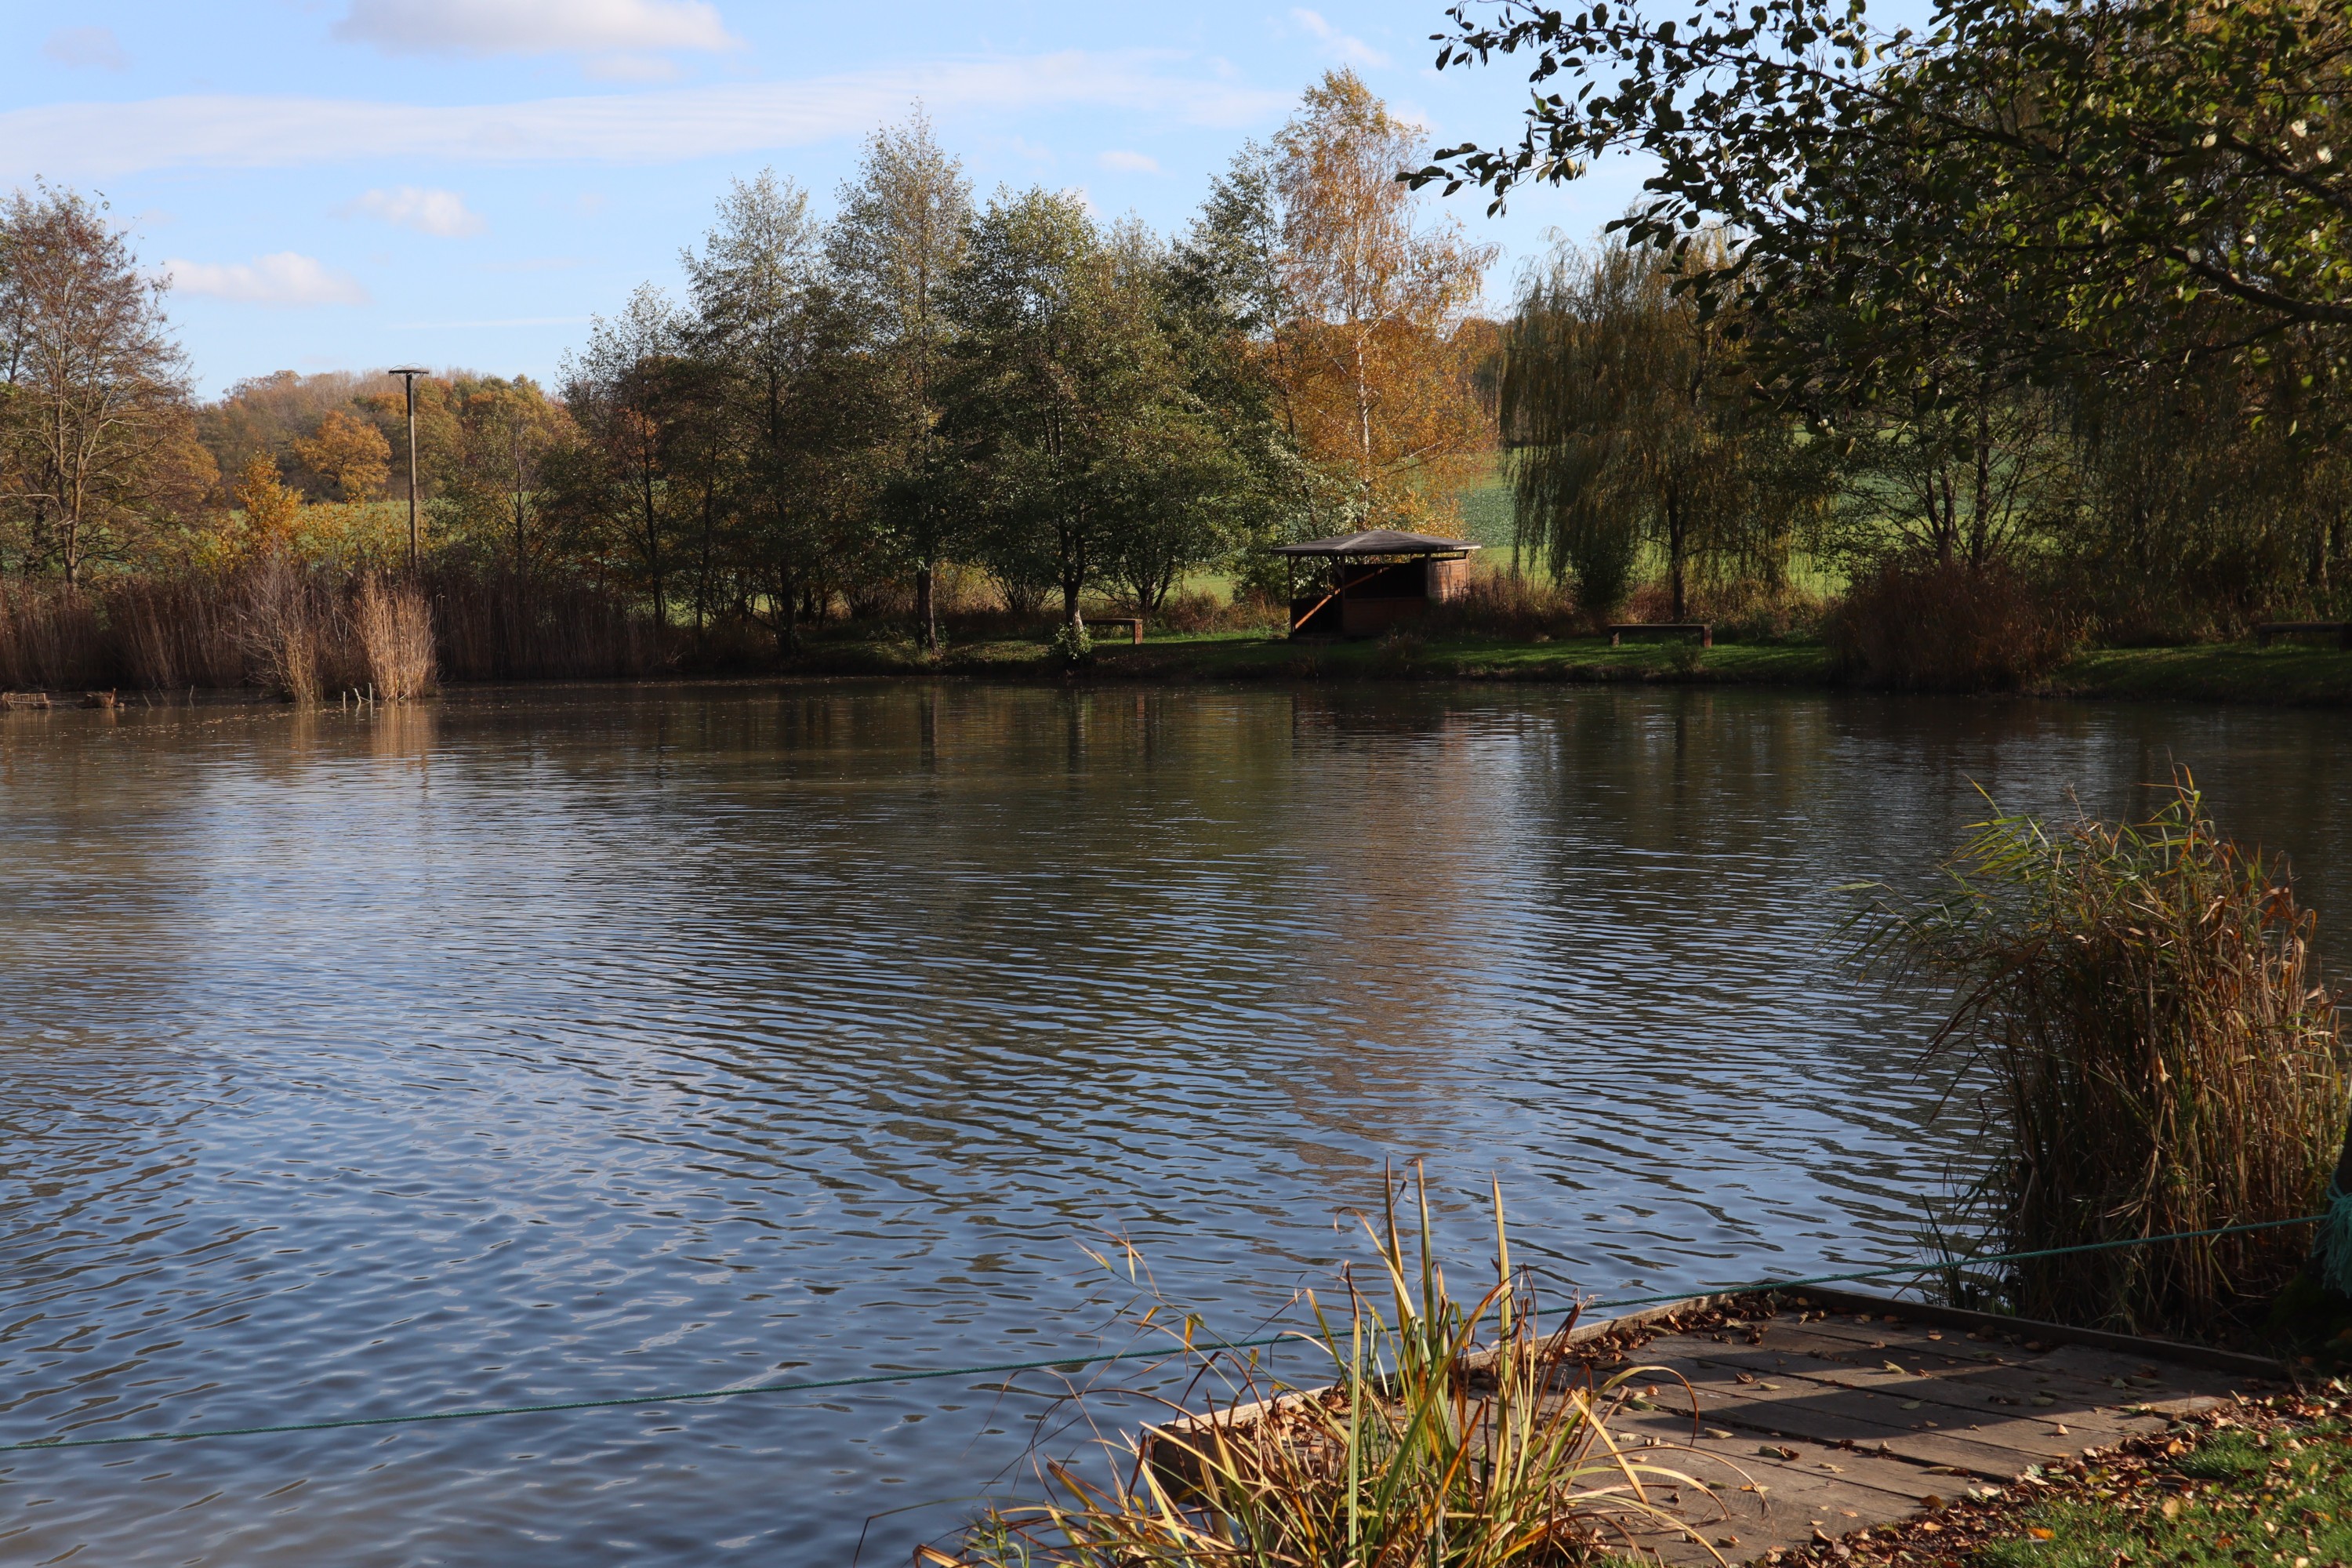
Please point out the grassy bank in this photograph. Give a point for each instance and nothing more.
(2215, 672)
(2262, 1482)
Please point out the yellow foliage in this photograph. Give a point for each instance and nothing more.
(351, 453)
(271, 510)
(1373, 361)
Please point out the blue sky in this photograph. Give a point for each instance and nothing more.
(345, 184)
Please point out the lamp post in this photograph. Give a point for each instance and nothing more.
(408, 374)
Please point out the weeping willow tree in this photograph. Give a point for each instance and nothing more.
(1628, 421)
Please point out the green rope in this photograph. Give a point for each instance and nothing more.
(2341, 1208)
(2340, 1212)
(630, 1399)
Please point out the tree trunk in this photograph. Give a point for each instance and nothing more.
(927, 615)
(1675, 573)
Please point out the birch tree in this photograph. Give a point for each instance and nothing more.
(1376, 290)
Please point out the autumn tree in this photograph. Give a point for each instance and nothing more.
(350, 453)
(273, 511)
(1374, 291)
(897, 239)
(95, 424)
(489, 495)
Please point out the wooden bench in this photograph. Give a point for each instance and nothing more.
(2265, 630)
(1704, 630)
(1134, 624)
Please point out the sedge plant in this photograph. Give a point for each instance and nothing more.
(1452, 1433)
(2160, 1055)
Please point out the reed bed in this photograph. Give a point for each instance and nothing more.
(2163, 1057)
(304, 631)
(1451, 1435)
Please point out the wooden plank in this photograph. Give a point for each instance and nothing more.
(2074, 1374)
(2069, 1404)
(2049, 1333)
(1995, 1446)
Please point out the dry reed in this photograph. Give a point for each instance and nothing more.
(2163, 1057)
(393, 627)
(1425, 1452)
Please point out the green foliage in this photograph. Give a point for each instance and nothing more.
(2064, 284)
(1072, 643)
(1629, 421)
(2161, 1053)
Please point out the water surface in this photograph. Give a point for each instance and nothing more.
(553, 1045)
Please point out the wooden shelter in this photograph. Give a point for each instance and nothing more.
(1360, 585)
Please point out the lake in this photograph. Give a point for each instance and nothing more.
(535, 1046)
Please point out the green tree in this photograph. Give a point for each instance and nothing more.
(1627, 417)
(1056, 363)
(897, 239)
(613, 490)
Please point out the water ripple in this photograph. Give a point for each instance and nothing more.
(564, 1044)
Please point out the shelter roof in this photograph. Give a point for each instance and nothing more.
(1379, 541)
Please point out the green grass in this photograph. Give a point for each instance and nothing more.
(2228, 1501)
(2227, 672)
(1244, 655)
(2286, 674)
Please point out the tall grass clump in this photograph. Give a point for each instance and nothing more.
(393, 627)
(285, 622)
(2163, 1057)
(1451, 1435)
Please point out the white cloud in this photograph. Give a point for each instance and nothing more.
(94, 48)
(1129, 162)
(441, 214)
(91, 140)
(283, 278)
(1345, 45)
(532, 27)
(631, 68)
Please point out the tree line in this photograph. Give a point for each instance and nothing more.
(2058, 293)
(835, 410)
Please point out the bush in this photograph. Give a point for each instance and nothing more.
(1947, 627)
(1741, 611)
(1502, 605)
(2163, 1059)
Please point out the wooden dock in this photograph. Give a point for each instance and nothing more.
(1807, 1415)
(1826, 1411)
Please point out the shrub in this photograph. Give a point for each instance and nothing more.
(1504, 605)
(2163, 1059)
(1947, 627)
